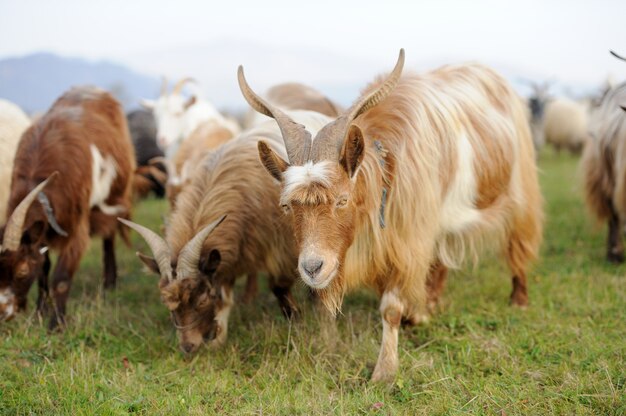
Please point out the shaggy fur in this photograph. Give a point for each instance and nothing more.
(604, 168)
(13, 122)
(81, 122)
(456, 158)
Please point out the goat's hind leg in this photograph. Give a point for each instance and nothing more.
(615, 246)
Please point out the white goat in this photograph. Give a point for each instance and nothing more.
(177, 117)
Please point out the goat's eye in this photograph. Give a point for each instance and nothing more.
(285, 208)
(342, 201)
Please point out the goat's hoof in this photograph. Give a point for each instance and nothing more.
(383, 375)
(615, 257)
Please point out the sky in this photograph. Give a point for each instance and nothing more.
(561, 40)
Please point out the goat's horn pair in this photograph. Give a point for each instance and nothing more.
(297, 139)
(189, 255)
(15, 224)
(180, 84)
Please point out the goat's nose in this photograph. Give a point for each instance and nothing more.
(162, 141)
(187, 347)
(312, 267)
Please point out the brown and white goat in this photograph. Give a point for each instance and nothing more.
(419, 173)
(255, 236)
(604, 168)
(84, 139)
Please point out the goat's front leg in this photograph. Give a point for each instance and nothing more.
(221, 316)
(42, 283)
(391, 310)
(108, 260)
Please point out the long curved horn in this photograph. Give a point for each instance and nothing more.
(190, 254)
(180, 84)
(47, 209)
(159, 247)
(329, 140)
(13, 230)
(297, 139)
(617, 56)
(381, 93)
(164, 86)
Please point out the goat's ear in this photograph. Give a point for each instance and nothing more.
(352, 151)
(147, 104)
(149, 262)
(209, 264)
(273, 163)
(191, 101)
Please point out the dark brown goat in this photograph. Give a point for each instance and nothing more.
(84, 137)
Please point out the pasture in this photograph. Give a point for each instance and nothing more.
(565, 354)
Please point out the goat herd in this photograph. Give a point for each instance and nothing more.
(420, 173)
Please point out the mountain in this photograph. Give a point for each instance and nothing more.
(35, 81)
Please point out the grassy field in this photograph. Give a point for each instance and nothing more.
(564, 355)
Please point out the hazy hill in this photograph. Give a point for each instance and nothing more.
(35, 81)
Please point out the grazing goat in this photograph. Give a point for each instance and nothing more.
(178, 117)
(151, 177)
(604, 168)
(198, 270)
(84, 139)
(420, 172)
(13, 122)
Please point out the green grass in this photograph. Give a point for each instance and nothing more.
(564, 355)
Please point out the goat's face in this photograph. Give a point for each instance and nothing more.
(193, 300)
(170, 114)
(18, 271)
(194, 305)
(320, 196)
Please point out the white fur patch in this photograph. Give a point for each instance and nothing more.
(103, 173)
(7, 302)
(222, 316)
(6, 296)
(459, 210)
(309, 173)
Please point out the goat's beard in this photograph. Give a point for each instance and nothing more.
(332, 295)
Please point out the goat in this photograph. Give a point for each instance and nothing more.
(13, 122)
(604, 168)
(178, 117)
(565, 125)
(255, 236)
(151, 177)
(420, 172)
(84, 132)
